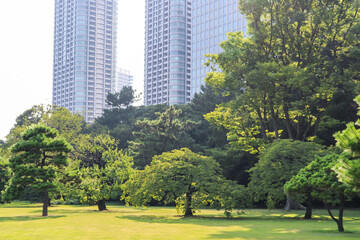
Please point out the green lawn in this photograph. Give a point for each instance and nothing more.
(79, 222)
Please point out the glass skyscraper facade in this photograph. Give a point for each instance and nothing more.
(84, 67)
(178, 35)
(211, 20)
(167, 77)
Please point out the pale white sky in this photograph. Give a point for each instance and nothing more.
(26, 50)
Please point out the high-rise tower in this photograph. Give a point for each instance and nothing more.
(123, 79)
(211, 20)
(84, 67)
(167, 52)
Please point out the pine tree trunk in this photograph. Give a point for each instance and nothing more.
(45, 204)
(188, 210)
(101, 204)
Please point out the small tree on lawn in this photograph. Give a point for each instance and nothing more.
(37, 157)
(98, 183)
(300, 187)
(97, 173)
(277, 164)
(182, 177)
(318, 180)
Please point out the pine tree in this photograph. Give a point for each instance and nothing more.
(37, 157)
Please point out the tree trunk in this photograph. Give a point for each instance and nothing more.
(262, 124)
(292, 204)
(288, 122)
(341, 213)
(101, 204)
(45, 204)
(340, 225)
(338, 221)
(308, 213)
(274, 119)
(188, 210)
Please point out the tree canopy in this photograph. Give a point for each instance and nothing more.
(163, 134)
(182, 177)
(98, 183)
(4, 173)
(69, 125)
(97, 171)
(122, 99)
(348, 140)
(296, 57)
(277, 164)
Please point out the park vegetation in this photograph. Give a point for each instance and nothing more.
(275, 125)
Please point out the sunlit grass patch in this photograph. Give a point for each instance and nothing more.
(282, 230)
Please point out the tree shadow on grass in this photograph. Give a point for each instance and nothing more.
(198, 220)
(86, 210)
(213, 220)
(287, 233)
(27, 218)
(69, 211)
(335, 231)
(228, 235)
(263, 218)
(22, 206)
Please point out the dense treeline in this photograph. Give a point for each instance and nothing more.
(261, 132)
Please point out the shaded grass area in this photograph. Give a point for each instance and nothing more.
(24, 221)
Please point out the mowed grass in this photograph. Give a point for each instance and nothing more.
(23, 221)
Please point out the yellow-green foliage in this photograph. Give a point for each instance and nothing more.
(185, 178)
(277, 164)
(349, 141)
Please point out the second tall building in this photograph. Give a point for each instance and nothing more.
(178, 35)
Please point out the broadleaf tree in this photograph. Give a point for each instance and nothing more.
(277, 164)
(97, 172)
(4, 172)
(185, 178)
(69, 125)
(97, 183)
(296, 56)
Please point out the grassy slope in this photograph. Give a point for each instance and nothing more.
(75, 222)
